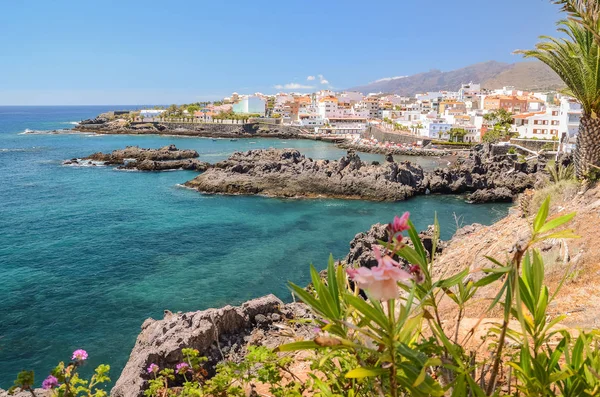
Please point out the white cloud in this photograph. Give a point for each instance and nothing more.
(388, 79)
(293, 86)
(310, 78)
(323, 81)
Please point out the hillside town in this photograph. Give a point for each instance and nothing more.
(442, 115)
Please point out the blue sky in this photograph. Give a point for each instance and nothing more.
(144, 52)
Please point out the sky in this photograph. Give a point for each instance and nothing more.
(105, 52)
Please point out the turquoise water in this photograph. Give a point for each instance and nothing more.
(87, 254)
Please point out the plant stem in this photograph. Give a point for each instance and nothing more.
(498, 356)
(392, 338)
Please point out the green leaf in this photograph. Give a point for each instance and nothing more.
(452, 281)
(412, 256)
(368, 311)
(542, 215)
(294, 346)
(488, 279)
(569, 233)
(333, 283)
(416, 240)
(361, 372)
(432, 362)
(556, 222)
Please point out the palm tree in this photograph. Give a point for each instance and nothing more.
(576, 60)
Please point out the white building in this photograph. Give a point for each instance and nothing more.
(570, 115)
(250, 104)
(328, 107)
(541, 125)
(437, 129)
(150, 113)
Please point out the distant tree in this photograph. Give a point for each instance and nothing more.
(500, 132)
(193, 109)
(457, 134)
(500, 116)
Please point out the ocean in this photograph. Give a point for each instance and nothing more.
(87, 254)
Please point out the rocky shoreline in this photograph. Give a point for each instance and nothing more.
(135, 158)
(102, 125)
(396, 150)
(288, 173)
(488, 175)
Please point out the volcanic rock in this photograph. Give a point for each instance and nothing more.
(287, 173)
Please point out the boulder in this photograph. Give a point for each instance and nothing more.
(499, 194)
(161, 341)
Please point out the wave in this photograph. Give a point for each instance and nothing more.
(12, 150)
(83, 163)
(51, 132)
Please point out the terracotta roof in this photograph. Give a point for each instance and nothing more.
(328, 99)
(526, 115)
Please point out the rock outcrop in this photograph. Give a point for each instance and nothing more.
(394, 150)
(218, 334)
(361, 247)
(133, 157)
(287, 173)
(486, 169)
(105, 125)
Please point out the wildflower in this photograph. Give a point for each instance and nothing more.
(153, 368)
(182, 368)
(400, 224)
(79, 355)
(50, 382)
(380, 281)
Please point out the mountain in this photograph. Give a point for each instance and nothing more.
(522, 75)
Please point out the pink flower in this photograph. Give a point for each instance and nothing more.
(153, 368)
(182, 368)
(381, 281)
(79, 355)
(50, 382)
(400, 224)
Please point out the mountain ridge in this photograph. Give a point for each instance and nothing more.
(529, 75)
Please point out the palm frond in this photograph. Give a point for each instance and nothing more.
(576, 60)
(585, 12)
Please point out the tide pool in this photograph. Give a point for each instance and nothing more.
(87, 254)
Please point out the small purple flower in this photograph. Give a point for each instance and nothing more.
(153, 368)
(182, 368)
(79, 355)
(50, 382)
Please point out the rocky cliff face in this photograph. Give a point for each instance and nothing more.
(133, 157)
(287, 173)
(218, 334)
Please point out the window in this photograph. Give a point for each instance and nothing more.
(555, 112)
